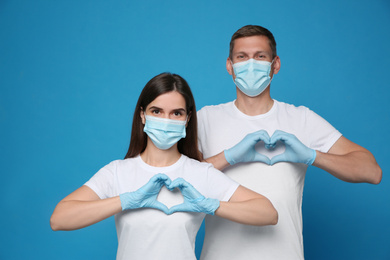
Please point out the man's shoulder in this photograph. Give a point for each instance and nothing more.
(290, 108)
(215, 108)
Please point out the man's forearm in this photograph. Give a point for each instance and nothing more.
(218, 161)
(356, 166)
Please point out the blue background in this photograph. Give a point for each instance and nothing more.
(71, 72)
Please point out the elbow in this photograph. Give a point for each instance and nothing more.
(54, 224)
(373, 175)
(275, 218)
(377, 176)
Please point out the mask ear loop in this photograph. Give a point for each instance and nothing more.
(270, 72)
(234, 73)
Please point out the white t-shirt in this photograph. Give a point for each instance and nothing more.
(223, 126)
(150, 233)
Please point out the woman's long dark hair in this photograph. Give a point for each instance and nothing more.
(161, 84)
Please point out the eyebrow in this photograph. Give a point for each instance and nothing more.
(176, 109)
(243, 52)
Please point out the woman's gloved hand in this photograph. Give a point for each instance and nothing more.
(146, 196)
(193, 200)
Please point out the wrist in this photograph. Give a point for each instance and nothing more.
(228, 157)
(213, 206)
(313, 157)
(126, 199)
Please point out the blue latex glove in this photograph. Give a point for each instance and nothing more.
(146, 196)
(295, 152)
(245, 151)
(193, 200)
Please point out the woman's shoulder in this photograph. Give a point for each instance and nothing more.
(195, 164)
(121, 163)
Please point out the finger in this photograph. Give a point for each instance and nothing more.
(180, 208)
(158, 205)
(262, 158)
(189, 192)
(278, 158)
(260, 135)
(178, 183)
(168, 181)
(279, 136)
(264, 135)
(161, 177)
(160, 180)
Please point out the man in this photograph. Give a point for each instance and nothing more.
(267, 145)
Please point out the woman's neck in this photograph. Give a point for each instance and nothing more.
(160, 158)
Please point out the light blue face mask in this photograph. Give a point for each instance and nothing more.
(252, 76)
(164, 132)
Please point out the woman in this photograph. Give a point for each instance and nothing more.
(153, 220)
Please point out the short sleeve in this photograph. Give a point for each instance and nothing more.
(322, 135)
(103, 181)
(220, 186)
(201, 131)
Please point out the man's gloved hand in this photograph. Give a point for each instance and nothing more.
(245, 151)
(146, 196)
(193, 200)
(295, 152)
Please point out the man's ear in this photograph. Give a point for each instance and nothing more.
(276, 65)
(229, 66)
(142, 115)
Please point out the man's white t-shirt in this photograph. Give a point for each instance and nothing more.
(149, 233)
(223, 126)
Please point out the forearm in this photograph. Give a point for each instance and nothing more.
(218, 161)
(76, 214)
(356, 166)
(257, 212)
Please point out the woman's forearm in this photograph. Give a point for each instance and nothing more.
(76, 214)
(258, 212)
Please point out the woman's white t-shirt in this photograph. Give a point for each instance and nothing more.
(149, 233)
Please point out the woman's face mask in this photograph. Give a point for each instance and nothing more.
(164, 132)
(252, 76)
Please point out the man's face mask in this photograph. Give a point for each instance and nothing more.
(164, 132)
(252, 76)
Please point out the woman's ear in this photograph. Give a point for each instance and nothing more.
(188, 118)
(142, 115)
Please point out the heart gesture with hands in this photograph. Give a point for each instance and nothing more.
(146, 197)
(245, 151)
(193, 200)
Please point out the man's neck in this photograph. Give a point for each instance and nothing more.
(253, 106)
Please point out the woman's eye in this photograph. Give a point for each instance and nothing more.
(177, 113)
(155, 112)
